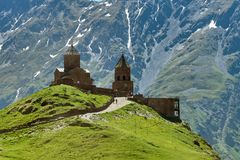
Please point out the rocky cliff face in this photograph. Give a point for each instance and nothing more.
(180, 48)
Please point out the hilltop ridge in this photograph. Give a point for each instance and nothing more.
(132, 132)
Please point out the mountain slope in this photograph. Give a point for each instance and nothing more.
(180, 48)
(132, 132)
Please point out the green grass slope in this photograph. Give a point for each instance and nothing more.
(47, 103)
(132, 132)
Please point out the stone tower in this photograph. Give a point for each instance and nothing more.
(71, 59)
(122, 86)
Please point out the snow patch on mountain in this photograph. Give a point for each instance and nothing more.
(89, 46)
(38, 42)
(26, 49)
(107, 4)
(36, 74)
(198, 30)
(77, 28)
(100, 49)
(47, 43)
(17, 94)
(89, 8)
(212, 24)
(83, 20)
(53, 56)
(42, 31)
(24, 23)
(129, 44)
(139, 13)
(87, 29)
(80, 35)
(68, 41)
(75, 43)
(60, 69)
(16, 21)
(108, 15)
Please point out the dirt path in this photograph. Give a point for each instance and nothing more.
(121, 102)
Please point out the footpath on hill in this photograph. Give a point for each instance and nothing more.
(118, 103)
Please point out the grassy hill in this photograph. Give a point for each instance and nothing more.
(132, 132)
(50, 102)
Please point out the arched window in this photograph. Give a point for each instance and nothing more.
(176, 105)
(124, 78)
(176, 114)
(118, 78)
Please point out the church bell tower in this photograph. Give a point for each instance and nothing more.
(71, 59)
(122, 86)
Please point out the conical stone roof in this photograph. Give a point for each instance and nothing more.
(72, 51)
(122, 63)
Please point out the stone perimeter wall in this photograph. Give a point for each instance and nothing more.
(167, 107)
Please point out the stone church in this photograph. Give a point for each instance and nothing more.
(72, 74)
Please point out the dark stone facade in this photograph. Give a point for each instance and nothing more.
(167, 107)
(72, 73)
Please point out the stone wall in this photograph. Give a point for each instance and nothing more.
(71, 62)
(122, 74)
(167, 107)
(104, 91)
(85, 88)
(123, 88)
(79, 75)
